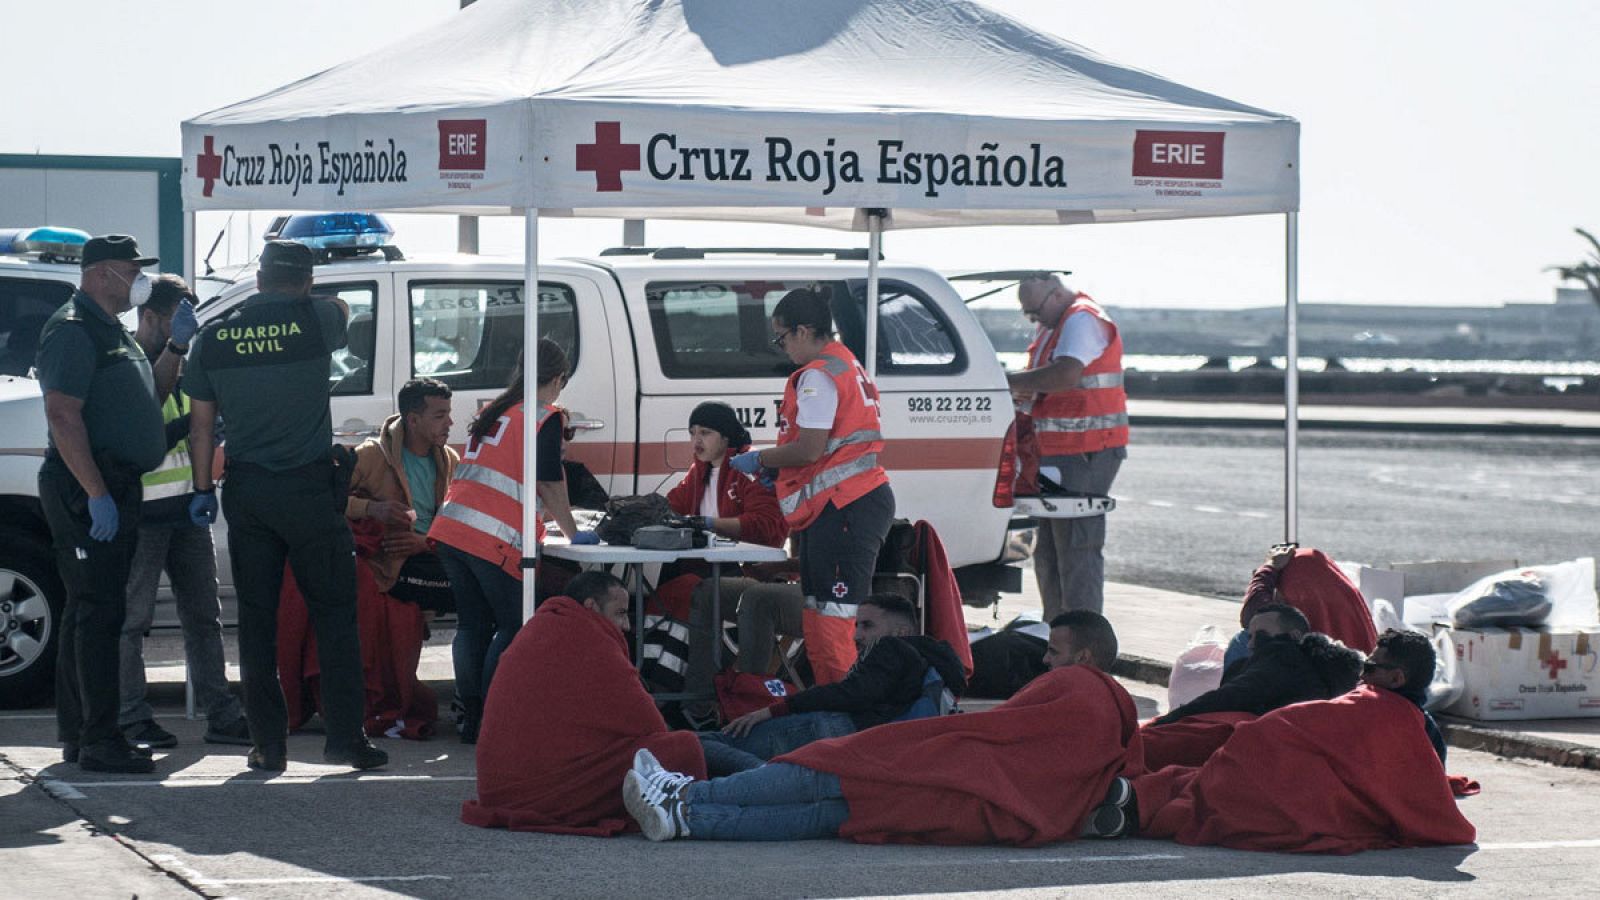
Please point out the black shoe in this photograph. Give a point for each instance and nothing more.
(362, 755)
(146, 731)
(138, 749)
(1116, 816)
(114, 756)
(236, 732)
(69, 751)
(471, 718)
(273, 760)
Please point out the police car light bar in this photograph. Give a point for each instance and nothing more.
(50, 243)
(336, 234)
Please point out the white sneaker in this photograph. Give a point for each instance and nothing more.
(659, 815)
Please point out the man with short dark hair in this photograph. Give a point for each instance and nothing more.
(1403, 662)
(169, 542)
(398, 482)
(266, 367)
(1081, 638)
(1288, 663)
(105, 432)
(896, 670)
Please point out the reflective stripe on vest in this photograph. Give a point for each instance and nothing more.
(855, 437)
(482, 510)
(175, 476)
(481, 521)
(831, 608)
(1092, 416)
(826, 480)
(493, 480)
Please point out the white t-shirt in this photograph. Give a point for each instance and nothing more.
(708, 500)
(818, 400)
(1085, 337)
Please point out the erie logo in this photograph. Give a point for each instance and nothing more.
(463, 144)
(1178, 154)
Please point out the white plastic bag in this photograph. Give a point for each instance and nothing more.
(1449, 682)
(1384, 617)
(1569, 586)
(1198, 668)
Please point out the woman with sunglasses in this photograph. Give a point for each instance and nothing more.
(831, 487)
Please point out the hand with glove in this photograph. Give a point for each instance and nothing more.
(184, 324)
(103, 517)
(748, 462)
(586, 538)
(203, 508)
(698, 523)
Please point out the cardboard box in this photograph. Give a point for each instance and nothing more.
(1527, 673)
(1397, 581)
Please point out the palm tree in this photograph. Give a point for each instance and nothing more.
(1587, 272)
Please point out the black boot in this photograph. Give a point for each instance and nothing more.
(471, 718)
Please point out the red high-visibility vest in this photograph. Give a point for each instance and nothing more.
(1094, 415)
(849, 467)
(482, 510)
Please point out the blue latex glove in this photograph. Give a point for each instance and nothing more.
(586, 537)
(103, 517)
(748, 462)
(184, 324)
(203, 509)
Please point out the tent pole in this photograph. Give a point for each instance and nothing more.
(530, 407)
(188, 247)
(874, 250)
(1291, 379)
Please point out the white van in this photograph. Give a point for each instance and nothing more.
(651, 333)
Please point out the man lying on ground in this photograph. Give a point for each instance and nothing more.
(1032, 771)
(1334, 776)
(1403, 662)
(1310, 581)
(565, 713)
(896, 670)
(1288, 663)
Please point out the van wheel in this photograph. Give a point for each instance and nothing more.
(31, 601)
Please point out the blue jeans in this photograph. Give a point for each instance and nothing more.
(189, 558)
(488, 615)
(727, 755)
(777, 802)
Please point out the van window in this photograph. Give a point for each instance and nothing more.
(25, 305)
(723, 329)
(351, 366)
(469, 334)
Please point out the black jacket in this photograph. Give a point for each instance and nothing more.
(882, 685)
(1278, 674)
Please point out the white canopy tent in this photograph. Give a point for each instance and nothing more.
(849, 114)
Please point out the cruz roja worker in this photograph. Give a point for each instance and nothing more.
(1072, 389)
(265, 367)
(832, 490)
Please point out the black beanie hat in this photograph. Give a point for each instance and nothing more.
(720, 417)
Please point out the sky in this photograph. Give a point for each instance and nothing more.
(1448, 148)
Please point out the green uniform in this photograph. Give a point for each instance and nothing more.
(84, 352)
(266, 366)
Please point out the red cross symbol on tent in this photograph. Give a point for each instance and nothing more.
(208, 165)
(608, 157)
(1555, 664)
(840, 589)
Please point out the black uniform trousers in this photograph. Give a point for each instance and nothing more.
(95, 574)
(296, 517)
(839, 550)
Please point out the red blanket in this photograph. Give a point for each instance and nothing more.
(1189, 741)
(565, 713)
(1330, 776)
(398, 704)
(1026, 773)
(942, 595)
(1313, 583)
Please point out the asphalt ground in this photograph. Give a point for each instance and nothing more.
(204, 825)
(1198, 507)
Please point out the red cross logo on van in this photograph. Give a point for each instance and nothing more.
(208, 166)
(608, 157)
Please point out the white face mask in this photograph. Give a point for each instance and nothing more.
(139, 288)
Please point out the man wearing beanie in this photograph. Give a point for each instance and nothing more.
(729, 503)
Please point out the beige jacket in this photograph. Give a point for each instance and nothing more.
(380, 474)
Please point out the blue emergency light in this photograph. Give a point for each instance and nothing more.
(50, 243)
(336, 234)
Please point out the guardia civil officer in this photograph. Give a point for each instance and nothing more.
(265, 368)
(105, 433)
(833, 493)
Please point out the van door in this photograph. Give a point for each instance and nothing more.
(361, 385)
(466, 330)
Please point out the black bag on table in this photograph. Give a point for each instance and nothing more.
(625, 515)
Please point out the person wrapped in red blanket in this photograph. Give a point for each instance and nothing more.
(1310, 581)
(1330, 776)
(1027, 773)
(565, 713)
